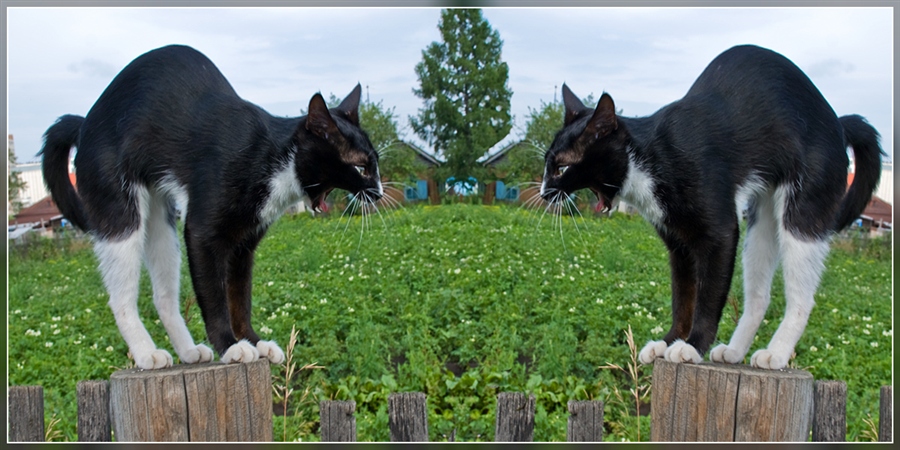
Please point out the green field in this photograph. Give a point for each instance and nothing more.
(458, 301)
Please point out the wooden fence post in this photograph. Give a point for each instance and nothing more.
(26, 414)
(94, 424)
(196, 402)
(885, 413)
(723, 402)
(585, 421)
(336, 421)
(830, 411)
(515, 417)
(408, 417)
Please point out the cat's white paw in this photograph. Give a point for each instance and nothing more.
(651, 351)
(765, 359)
(725, 354)
(157, 359)
(199, 354)
(682, 352)
(270, 350)
(241, 352)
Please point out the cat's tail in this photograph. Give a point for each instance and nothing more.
(863, 138)
(58, 142)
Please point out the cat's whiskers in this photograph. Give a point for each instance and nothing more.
(571, 205)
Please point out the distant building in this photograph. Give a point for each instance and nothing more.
(30, 173)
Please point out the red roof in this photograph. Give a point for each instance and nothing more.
(877, 209)
(43, 211)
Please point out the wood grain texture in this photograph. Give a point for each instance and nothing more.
(336, 421)
(212, 402)
(408, 417)
(585, 421)
(515, 417)
(711, 402)
(26, 413)
(885, 415)
(94, 424)
(829, 411)
(662, 400)
(259, 389)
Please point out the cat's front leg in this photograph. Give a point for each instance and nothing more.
(239, 288)
(208, 277)
(715, 267)
(684, 298)
(651, 351)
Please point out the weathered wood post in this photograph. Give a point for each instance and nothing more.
(408, 417)
(197, 403)
(26, 413)
(94, 424)
(722, 402)
(515, 417)
(829, 411)
(585, 421)
(885, 413)
(336, 421)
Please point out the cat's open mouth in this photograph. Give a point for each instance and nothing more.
(603, 203)
(319, 203)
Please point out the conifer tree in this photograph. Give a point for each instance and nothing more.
(463, 82)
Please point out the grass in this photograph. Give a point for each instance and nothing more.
(458, 301)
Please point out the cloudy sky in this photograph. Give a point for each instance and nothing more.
(61, 59)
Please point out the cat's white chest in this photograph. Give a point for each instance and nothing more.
(284, 191)
(638, 190)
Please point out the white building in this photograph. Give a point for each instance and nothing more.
(35, 190)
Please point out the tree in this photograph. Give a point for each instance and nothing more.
(463, 82)
(16, 184)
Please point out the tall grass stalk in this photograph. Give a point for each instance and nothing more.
(640, 387)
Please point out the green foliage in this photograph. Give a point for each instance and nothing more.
(460, 302)
(15, 184)
(543, 124)
(463, 83)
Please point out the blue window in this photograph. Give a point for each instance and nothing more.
(503, 192)
(417, 192)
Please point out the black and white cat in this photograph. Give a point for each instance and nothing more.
(170, 129)
(752, 128)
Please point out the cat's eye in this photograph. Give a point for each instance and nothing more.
(561, 170)
(361, 170)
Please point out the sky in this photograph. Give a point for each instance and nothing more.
(59, 60)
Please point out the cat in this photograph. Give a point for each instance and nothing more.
(753, 129)
(170, 130)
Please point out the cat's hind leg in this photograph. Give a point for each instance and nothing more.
(803, 261)
(760, 258)
(803, 245)
(119, 254)
(163, 260)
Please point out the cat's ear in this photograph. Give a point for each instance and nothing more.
(319, 120)
(572, 104)
(603, 121)
(349, 107)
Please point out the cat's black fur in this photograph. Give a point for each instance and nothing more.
(170, 120)
(751, 118)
